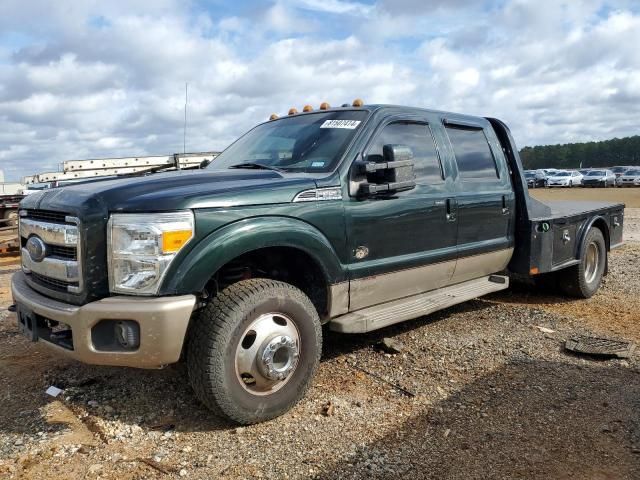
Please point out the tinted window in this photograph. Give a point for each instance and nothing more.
(418, 137)
(473, 154)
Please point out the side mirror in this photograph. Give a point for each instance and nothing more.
(393, 174)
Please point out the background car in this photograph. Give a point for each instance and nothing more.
(564, 178)
(584, 171)
(599, 178)
(535, 178)
(630, 178)
(619, 171)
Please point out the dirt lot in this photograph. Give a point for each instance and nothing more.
(494, 397)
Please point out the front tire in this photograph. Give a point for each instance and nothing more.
(583, 280)
(253, 351)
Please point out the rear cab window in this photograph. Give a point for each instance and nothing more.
(473, 154)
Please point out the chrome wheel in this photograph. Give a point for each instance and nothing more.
(267, 354)
(591, 262)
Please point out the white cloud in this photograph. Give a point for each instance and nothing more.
(90, 79)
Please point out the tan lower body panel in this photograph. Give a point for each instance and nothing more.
(404, 283)
(163, 324)
(476, 266)
(379, 316)
(389, 286)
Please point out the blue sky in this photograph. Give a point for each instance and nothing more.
(87, 79)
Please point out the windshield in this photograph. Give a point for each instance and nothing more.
(596, 173)
(561, 174)
(309, 143)
(633, 172)
(618, 169)
(529, 174)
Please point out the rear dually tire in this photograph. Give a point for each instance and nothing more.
(583, 280)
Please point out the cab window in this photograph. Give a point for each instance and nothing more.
(418, 137)
(473, 154)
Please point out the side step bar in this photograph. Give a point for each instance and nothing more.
(396, 311)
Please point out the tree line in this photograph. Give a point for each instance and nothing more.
(607, 153)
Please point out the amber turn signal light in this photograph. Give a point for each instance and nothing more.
(173, 241)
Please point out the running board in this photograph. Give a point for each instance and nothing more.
(396, 311)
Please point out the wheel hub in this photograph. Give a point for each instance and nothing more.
(279, 357)
(592, 260)
(267, 353)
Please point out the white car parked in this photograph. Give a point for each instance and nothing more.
(630, 178)
(564, 178)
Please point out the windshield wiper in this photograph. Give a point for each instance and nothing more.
(257, 166)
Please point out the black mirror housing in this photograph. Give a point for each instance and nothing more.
(393, 174)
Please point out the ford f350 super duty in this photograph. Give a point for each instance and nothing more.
(357, 217)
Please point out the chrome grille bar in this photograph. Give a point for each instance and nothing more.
(66, 270)
(53, 233)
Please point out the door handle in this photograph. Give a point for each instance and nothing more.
(505, 208)
(450, 210)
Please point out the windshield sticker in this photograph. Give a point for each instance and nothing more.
(317, 164)
(349, 124)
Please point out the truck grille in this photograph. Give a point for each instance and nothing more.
(52, 283)
(51, 254)
(45, 215)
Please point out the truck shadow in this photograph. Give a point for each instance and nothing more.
(338, 344)
(528, 419)
(525, 293)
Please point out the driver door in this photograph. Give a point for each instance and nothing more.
(404, 243)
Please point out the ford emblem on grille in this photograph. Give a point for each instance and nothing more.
(37, 248)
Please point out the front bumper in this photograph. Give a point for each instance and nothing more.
(162, 325)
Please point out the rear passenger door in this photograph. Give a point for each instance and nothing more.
(485, 198)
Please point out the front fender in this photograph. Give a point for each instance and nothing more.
(235, 239)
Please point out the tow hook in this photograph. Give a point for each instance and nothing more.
(12, 308)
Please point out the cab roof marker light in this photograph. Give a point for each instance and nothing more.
(293, 111)
(325, 106)
(273, 116)
(357, 102)
(307, 108)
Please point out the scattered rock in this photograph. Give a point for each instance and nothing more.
(391, 345)
(328, 409)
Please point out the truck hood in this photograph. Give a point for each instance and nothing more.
(173, 191)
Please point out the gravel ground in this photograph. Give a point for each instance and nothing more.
(485, 394)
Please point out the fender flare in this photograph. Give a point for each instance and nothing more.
(244, 236)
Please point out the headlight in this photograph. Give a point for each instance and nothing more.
(141, 246)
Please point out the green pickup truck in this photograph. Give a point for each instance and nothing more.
(355, 217)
